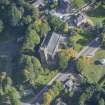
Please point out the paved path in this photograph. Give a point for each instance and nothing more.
(91, 49)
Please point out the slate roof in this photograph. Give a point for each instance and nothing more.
(50, 42)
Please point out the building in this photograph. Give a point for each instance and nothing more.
(77, 20)
(49, 48)
(38, 3)
(69, 85)
(64, 6)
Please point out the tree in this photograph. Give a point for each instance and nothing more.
(14, 15)
(47, 98)
(31, 40)
(1, 26)
(13, 96)
(85, 96)
(80, 64)
(103, 39)
(101, 1)
(63, 60)
(55, 23)
(30, 68)
(7, 82)
(5, 2)
(73, 39)
(101, 102)
(66, 27)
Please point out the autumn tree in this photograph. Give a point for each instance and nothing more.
(47, 98)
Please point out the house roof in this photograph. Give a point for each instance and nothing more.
(75, 19)
(50, 42)
(69, 83)
(80, 17)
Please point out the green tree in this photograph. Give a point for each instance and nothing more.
(30, 68)
(14, 15)
(73, 39)
(5, 2)
(55, 23)
(63, 60)
(31, 40)
(13, 96)
(103, 39)
(1, 26)
(101, 102)
(80, 64)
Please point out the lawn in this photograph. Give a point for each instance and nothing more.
(97, 15)
(85, 38)
(94, 72)
(46, 76)
(79, 3)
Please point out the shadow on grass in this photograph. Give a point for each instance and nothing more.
(98, 12)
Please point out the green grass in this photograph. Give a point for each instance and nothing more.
(46, 76)
(97, 19)
(97, 15)
(86, 38)
(92, 71)
(79, 3)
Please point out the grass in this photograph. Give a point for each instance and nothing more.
(79, 3)
(46, 76)
(86, 38)
(92, 71)
(97, 15)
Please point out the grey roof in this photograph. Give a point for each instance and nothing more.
(80, 17)
(50, 42)
(75, 19)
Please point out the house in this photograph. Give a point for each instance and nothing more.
(77, 20)
(50, 47)
(38, 3)
(64, 6)
(69, 85)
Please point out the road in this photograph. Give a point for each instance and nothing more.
(91, 49)
(73, 11)
(87, 51)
